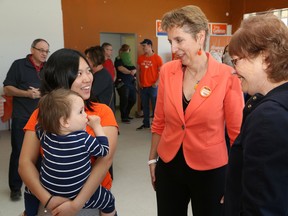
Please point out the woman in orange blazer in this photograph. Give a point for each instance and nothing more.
(197, 98)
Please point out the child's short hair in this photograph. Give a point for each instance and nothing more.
(125, 48)
(52, 107)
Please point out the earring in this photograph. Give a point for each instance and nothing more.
(199, 52)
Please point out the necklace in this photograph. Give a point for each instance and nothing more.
(196, 85)
(184, 98)
(184, 68)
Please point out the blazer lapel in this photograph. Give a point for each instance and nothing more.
(176, 90)
(205, 87)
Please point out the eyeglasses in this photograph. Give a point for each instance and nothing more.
(234, 61)
(42, 50)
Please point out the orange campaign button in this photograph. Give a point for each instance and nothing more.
(205, 91)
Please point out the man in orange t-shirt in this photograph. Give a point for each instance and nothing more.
(148, 66)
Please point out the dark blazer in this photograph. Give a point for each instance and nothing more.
(257, 175)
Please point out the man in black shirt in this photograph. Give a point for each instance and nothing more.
(23, 82)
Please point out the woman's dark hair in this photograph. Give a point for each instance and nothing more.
(61, 70)
(96, 55)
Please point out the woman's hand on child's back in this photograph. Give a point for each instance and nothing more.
(67, 208)
(55, 202)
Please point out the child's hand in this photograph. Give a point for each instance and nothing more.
(133, 72)
(94, 123)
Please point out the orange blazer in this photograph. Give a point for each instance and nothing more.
(217, 101)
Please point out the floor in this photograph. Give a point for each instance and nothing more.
(131, 186)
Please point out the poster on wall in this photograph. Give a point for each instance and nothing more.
(217, 45)
(218, 28)
(159, 30)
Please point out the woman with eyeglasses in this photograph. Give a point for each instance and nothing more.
(197, 97)
(257, 176)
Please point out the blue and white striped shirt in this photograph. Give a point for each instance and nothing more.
(66, 160)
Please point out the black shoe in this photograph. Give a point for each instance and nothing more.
(15, 195)
(143, 127)
(126, 121)
(130, 118)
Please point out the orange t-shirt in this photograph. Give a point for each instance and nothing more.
(149, 69)
(107, 119)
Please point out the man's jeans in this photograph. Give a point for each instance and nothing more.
(148, 94)
(127, 94)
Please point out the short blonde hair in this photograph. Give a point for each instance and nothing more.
(191, 18)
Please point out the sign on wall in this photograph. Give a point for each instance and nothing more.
(159, 30)
(218, 28)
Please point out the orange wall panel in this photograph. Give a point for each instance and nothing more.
(264, 5)
(83, 20)
(241, 7)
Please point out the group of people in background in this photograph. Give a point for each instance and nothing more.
(130, 80)
(193, 100)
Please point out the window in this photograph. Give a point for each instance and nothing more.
(281, 13)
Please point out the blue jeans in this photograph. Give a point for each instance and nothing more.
(17, 136)
(148, 94)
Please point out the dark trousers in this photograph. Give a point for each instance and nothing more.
(148, 94)
(127, 95)
(31, 204)
(177, 185)
(17, 136)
